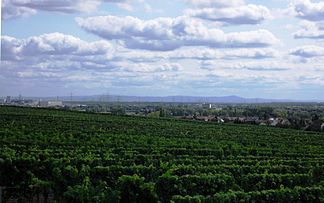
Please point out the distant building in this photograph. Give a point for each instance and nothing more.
(220, 120)
(206, 118)
(55, 103)
(50, 104)
(207, 106)
(285, 122)
(252, 120)
(202, 118)
(43, 103)
(2, 101)
(30, 102)
(8, 100)
(274, 123)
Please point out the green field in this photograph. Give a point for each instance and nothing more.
(64, 156)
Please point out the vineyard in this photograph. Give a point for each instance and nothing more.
(63, 156)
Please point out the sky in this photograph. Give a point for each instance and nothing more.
(248, 48)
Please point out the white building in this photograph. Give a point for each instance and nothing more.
(8, 100)
(55, 103)
(50, 104)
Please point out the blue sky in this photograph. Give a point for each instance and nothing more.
(269, 49)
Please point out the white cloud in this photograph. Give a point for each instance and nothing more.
(51, 44)
(65, 6)
(309, 51)
(171, 33)
(125, 6)
(10, 48)
(307, 10)
(246, 14)
(152, 67)
(313, 18)
(217, 4)
(265, 74)
(210, 54)
(20, 8)
(247, 66)
(312, 30)
(97, 54)
(235, 12)
(148, 8)
(191, 55)
(56, 58)
(11, 11)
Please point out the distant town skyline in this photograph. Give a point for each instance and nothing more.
(253, 49)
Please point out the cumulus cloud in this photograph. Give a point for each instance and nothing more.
(9, 10)
(165, 34)
(213, 3)
(312, 30)
(309, 51)
(245, 14)
(56, 57)
(210, 54)
(65, 6)
(51, 44)
(192, 53)
(313, 18)
(58, 46)
(254, 66)
(312, 34)
(10, 48)
(20, 8)
(235, 12)
(307, 10)
(151, 67)
(67, 62)
(59, 58)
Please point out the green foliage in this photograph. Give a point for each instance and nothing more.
(155, 114)
(68, 156)
(134, 189)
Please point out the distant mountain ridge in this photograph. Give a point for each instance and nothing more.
(169, 99)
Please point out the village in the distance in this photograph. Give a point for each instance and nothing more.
(307, 116)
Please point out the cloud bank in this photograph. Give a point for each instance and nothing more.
(51, 44)
(165, 34)
(307, 10)
(22, 8)
(309, 51)
(233, 12)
